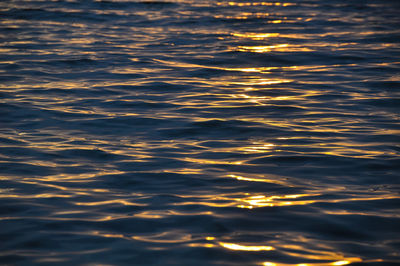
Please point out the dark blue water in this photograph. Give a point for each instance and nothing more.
(200, 132)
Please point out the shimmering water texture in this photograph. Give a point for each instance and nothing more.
(200, 133)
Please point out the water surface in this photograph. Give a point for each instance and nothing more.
(199, 132)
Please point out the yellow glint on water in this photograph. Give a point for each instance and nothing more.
(244, 207)
(341, 262)
(245, 248)
(255, 35)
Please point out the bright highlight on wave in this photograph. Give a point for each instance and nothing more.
(284, 47)
(347, 261)
(255, 36)
(273, 201)
(245, 248)
(243, 4)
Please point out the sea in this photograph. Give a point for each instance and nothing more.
(200, 132)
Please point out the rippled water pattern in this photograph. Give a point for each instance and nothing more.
(199, 132)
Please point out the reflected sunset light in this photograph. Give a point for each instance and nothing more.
(274, 48)
(245, 248)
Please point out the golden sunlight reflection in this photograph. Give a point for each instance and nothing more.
(249, 69)
(185, 171)
(262, 81)
(332, 257)
(334, 263)
(302, 252)
(273, 48)
(272, 201)
(251, 201)
(271, 179)
(107, 202)
(106, 234)
(258, 147)
(255, 36)
(269, 264)
(159, 214)
(233, 246)
(84, 177)
(304, 248)
(242, 4)
(207, 161)
(202, 245)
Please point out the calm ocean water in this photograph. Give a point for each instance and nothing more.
(200, 132)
